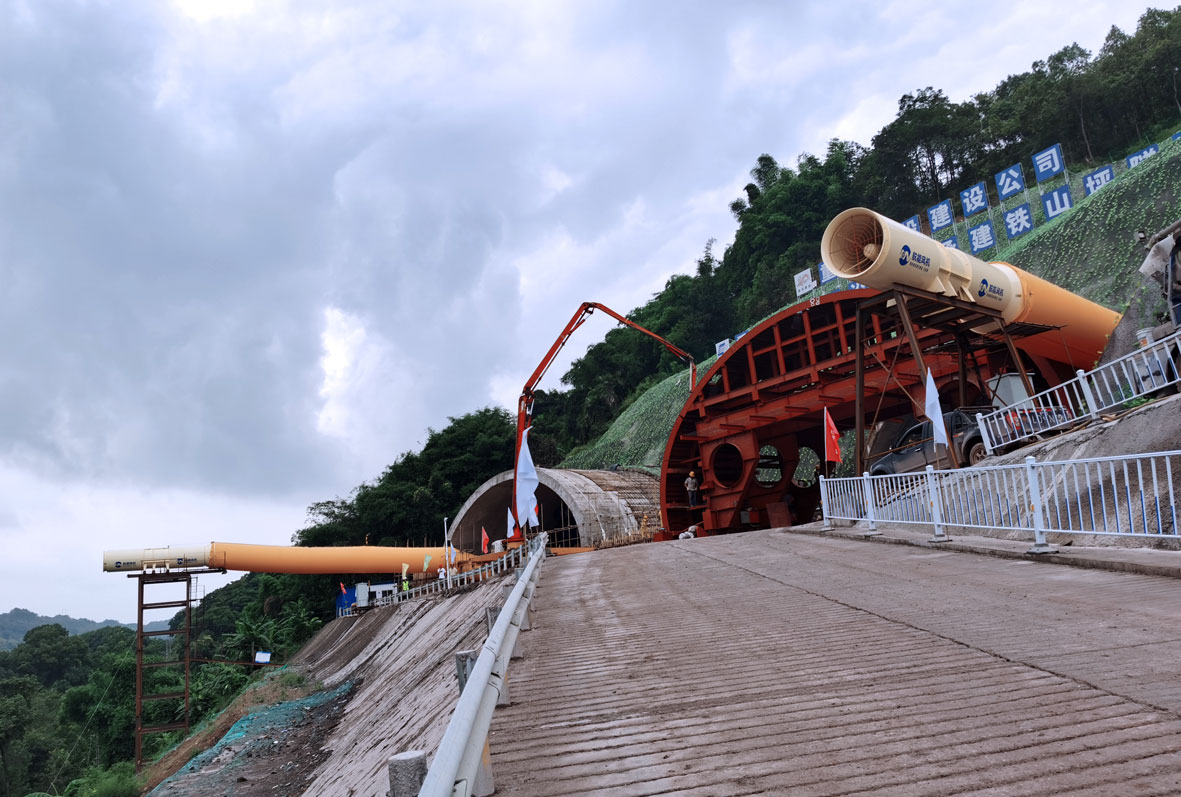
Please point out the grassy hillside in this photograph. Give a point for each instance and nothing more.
(1092, 251)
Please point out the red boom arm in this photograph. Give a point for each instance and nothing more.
(525, 404)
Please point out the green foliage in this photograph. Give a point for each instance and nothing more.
(214, 686)
(117, 781)
(16, 623)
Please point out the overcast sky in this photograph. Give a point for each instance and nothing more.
(250, 252)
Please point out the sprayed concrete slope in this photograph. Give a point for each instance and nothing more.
(388, 685)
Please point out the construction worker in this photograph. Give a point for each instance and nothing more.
(691, 485)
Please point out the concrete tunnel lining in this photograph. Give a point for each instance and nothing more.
(600, 504)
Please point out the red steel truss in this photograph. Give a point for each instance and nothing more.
(746, 421)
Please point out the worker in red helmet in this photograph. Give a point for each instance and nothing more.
(691, 485)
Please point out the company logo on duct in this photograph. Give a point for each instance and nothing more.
(919, 261)
(991, 291)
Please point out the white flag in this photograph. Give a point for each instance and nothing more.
(527, 482)
(934, 411)
(509, 513)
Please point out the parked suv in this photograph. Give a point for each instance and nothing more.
(915, 449)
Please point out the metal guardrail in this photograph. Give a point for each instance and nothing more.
(441, 586)
(1090, 393)
(462, 763)
(1128, 496)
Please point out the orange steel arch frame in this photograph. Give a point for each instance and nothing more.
(770, 389)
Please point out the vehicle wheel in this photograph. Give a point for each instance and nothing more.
(976, 453)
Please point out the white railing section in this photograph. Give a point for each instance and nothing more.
(1129, 496)
(461, 764)
(1131, 377)
(441, 586)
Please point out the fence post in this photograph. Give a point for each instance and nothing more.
(483, 784)
(527, 599)
(936, 506)
(824, 504)
(867, 486)
(984, 436)
(1085, 384)
(407, 772)
(1035, 507)
(464, 661)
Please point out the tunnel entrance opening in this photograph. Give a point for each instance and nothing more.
(576, 508)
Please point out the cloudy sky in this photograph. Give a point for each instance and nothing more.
(250, 252)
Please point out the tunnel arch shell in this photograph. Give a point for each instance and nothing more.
(602, 504)
(769, 390)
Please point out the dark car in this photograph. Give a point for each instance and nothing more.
(915, 448)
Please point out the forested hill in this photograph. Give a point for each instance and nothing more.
(18, 622)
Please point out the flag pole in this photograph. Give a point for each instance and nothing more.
(447, 551)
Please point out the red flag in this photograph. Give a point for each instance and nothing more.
(343, 591)
(832, 439)
(484, 539)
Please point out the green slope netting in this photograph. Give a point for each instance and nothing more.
(1092, 250)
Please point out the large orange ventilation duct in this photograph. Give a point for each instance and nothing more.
(286, 559)
(865, 246)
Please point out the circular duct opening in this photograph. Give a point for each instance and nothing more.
(855, 244)
(727, 465)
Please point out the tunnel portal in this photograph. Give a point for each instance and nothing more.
(577, 508)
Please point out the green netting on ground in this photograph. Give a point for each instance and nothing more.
(1092, 251)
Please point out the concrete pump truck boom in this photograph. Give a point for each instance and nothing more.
(525, 403)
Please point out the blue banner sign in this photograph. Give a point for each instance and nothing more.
(941, 215)
(1018, 221)
(1009, 182)
(1057, 202)
(974, 199)
(826, 274)
(1137, 158)
(913, 223)
(1097, 179)
(980, 237)
(951, 243)
(1048, 163)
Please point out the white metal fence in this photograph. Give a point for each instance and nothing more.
(462, 764)
(1090, 393)
(1119, 496)
(439, 586)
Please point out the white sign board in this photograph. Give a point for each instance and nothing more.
(805, 282)
(721, 347)
(262, 657)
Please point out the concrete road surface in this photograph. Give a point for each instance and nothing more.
(774, 663)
